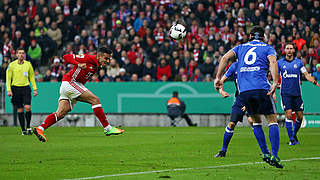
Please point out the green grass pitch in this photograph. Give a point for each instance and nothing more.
(186, 152)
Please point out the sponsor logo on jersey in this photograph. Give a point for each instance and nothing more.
(286, 75)
(249, 69)
(295, 66)
(255, 44)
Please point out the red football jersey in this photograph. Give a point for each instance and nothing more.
(77, 74)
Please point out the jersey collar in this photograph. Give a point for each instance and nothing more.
(288, 60)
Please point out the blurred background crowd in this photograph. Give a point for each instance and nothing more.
(137, 32)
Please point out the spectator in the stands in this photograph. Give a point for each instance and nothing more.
(299, 41)
(56, 67)
(163, 68)
(123, 77)
(191, 67)
(175, 67)
(113, 69)
(134, 77)
(197, 76)
(207, 67)
(317, 73)
(102, 75)
(138, 67)
(149, 69)
(54, 32)
(3, 70)
(35, 52)
(47, 77)
(147, 78)
(139, 21)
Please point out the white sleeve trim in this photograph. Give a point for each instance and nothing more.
(95, 106)
(235, 54)
(272, 55)
(303, 69)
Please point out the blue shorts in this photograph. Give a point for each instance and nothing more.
(258, 102)
(236, 112)
(294, 103)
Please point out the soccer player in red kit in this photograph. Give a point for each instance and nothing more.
(72, 89)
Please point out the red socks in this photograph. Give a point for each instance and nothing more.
(49, 121)
(98, 111)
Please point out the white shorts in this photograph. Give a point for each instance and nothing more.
(70, 91)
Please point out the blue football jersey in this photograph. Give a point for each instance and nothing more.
(290, 76)
(253, 65)
(232, 74)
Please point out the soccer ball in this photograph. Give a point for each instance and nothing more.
(177, 31)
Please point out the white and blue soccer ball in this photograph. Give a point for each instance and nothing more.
(177, 31)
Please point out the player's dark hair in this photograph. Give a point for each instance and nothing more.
(104, 50)
(20, 48)
(290, 43)
(175, 94)
(257, 32)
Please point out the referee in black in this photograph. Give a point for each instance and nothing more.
(19, 74)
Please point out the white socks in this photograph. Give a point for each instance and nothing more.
(108, 128)
(40, 127)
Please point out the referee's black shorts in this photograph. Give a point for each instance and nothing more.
(21, 95)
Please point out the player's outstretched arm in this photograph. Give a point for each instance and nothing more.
(274, 73)
(222, 65)
(310, 78)
(223, 62)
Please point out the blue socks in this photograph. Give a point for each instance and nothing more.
(297, 125)
(258, 132)
(274, 138)
(228, 133)
(289, 128)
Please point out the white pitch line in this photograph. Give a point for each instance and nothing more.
(185, 169)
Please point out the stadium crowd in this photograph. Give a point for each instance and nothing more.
(137, 32)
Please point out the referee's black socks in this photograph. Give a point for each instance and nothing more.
(28, 118)
(21, 120)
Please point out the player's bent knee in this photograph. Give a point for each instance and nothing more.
(272, 118)
(256, 118)
(61, 114)
(289, 116)
(250, 121)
